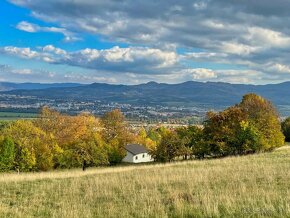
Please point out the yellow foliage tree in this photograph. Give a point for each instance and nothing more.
(116, 134)
(34, 148)
(79, 136)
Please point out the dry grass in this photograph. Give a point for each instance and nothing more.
(251, 186)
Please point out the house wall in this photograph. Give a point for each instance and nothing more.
(140, 158)
(129, 157)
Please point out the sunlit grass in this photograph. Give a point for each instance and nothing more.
(248, 186)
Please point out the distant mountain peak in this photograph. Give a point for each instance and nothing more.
(152, 83)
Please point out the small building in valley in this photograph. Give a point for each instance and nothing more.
(137, 154)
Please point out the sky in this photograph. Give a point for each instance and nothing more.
(137, 41)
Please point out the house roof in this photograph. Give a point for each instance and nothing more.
(136, 149)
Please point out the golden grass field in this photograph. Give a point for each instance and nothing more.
(248, 186)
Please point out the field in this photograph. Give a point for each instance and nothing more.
(248, 186)
(7, 116)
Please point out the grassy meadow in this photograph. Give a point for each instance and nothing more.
(248, 186)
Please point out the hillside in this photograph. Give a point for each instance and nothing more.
(211, 94)
(256, 186)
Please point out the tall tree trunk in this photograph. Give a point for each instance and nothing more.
(84, 165)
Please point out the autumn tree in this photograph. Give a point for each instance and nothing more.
(143, 139)
(73, 128)
(80, 138)
(154, 135)
(34, 149)
(264, 117)
(248, 127)
(221, 130)
(116, 134)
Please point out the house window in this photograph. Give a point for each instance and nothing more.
(136, 158)
(143, 155)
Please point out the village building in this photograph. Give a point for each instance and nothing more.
(137, 154)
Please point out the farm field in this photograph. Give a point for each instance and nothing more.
(7, 116)
(248, 186)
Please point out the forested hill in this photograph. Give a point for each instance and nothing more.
(214, 94)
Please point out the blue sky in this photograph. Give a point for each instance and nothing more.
(132, 42)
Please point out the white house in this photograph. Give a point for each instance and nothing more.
(137, 154)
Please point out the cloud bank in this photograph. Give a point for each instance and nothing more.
(254, 36)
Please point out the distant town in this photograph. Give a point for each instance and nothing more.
(136, 114)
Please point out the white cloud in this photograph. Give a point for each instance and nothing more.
(201, 5)
(237, 48)
(200, 73)
(279, 68)
(91, 79)
(13, 74)
(142, 64)
(51, 48)
(267, 38)
(20, 52)
(116, 59)
(132, 59)
(27, 27)
(33, 28)
(22, 71)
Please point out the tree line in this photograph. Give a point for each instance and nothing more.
(56, 140)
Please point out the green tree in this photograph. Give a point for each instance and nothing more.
(286, 129)
(249, 139)
(7, 154)
(169, 147)
(190, 137)
(83, 154)
(221, 131)
(3, 124)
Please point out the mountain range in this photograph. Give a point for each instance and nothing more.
(214, 95)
